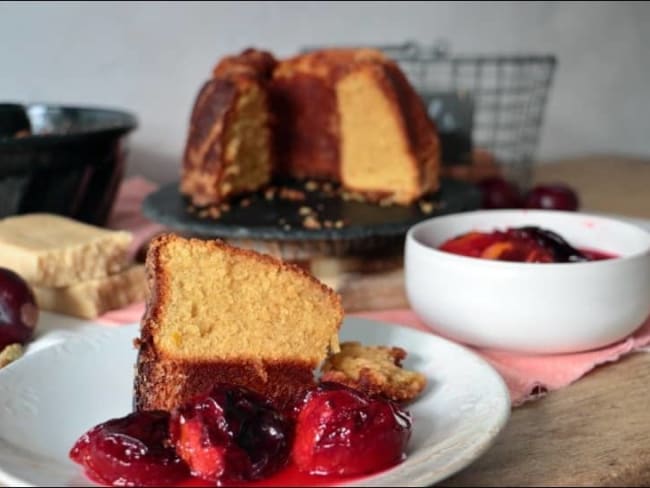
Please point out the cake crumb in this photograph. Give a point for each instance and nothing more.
(245, 202)
(226, 188)
(375, 370)
(269, 193)
(310, 222)
(292, 194)
(426, 207)
(339, 224)
(386, 202)
(328, 224)
(351, 196)
(304, 211)
(10, 353)
(214, 212)
(286, 227)
(311, 186)
(224, 207)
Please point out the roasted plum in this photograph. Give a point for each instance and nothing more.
(556, 196)
(520, 244)
(131, 451)
(343, 432)
(231, 434)
(499, 193)
(18, 309)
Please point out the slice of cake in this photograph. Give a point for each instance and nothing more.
(89, 299)
(222, 314)
(54, 251)
(228, 149)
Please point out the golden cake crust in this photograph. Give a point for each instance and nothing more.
(252, 63)
(164, 382)
(205, 158)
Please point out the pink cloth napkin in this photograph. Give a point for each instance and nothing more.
(528, 377)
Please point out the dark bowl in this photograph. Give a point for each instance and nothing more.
(70, 163)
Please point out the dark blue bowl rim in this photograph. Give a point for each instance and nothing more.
(127, 122)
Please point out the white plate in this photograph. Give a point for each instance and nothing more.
(54, 394)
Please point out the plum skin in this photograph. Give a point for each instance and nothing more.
(344, 432)
(18, 309)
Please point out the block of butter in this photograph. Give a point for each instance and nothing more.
(89, 299)
(50, 250)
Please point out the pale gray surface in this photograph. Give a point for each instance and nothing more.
(152, 58)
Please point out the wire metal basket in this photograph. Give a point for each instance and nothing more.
(497, 101)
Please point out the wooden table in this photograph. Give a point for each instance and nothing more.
(595, 432)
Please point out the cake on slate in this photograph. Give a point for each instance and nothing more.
(343, 115)
(216, 313)
(228, 150)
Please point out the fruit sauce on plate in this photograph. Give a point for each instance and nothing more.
(233, 436)
(521, 244)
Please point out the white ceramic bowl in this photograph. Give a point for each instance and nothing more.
(529, 307)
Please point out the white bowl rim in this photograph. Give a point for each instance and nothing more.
(511, 265)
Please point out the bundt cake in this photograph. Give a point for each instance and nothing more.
(344, 115)
(216, 313)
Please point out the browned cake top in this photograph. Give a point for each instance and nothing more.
(328, 64)
(251, 62)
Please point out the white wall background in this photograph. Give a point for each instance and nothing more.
(151, 58)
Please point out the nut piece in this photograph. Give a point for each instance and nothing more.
(311, 186)
(10, 353)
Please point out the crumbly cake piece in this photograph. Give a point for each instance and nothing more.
(51, 250)
(217, 313)
(374, 369)
(89, 299)
(11, 353)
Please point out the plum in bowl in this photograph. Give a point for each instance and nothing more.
(542, 308)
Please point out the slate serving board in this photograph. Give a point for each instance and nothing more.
(281, 220)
